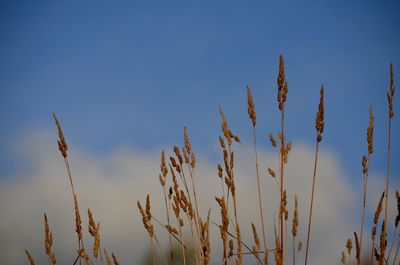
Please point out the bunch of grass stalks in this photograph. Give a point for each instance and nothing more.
(186, 226)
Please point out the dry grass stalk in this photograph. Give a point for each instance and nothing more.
(224, 227)
(162, 177)
(230, 181)
(319, 126)
(31, 261)
(252, 115)
(146, 220)
(48, 242)
(176, 208)
(365, 165)
(63, 147)
(190, 160)
(282, 96)
(390, 97)
(378, 212)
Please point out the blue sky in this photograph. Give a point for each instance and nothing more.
(130, 74)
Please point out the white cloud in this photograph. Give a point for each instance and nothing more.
(111, 184)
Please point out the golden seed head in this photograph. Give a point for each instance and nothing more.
(148, 207)
(349, 245)
(390, 93)
(163, 165)
(255, 235)
(271, 172)
(250, 107)
(383, 243)
(220, 172)
(225, 128)
(186, 141)
(31, 261)
(378, 210)
(282, 84)
(221, 142)
(62, 144)
(178, 154)
(295, 223)
(370, 131)
(272, 139)
(319, 120)
(357, 247)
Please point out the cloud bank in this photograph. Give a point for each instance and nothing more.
(111, 184)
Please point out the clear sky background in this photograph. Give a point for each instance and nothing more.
(130, 74)
(124, 74)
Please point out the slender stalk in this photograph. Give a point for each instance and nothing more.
(387, 170)
(319, 126)
(168, 221)
(182, 242)
(259, 197)
(153, 250)
(282, 185)
(365, 187)
(312, 201)
(294, 250)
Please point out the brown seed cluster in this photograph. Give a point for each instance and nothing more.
(370, 131)
(272, 140)
(250, 107)
(271, 172)
(224, 224)
(282, 84)
(48, 242)
(390, 93)
(295, 223)
(382, 244)
(62, 144)
(319, 120)
(94, 231)
(256, 246)
(205, 240)
(163, 169)
(31, 261)
(349, 246)
(146, 216)
(357, 247)
(364, 164)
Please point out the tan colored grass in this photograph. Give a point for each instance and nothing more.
(252, 115)
(48, 242)
(319, 126)
(30, 258)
